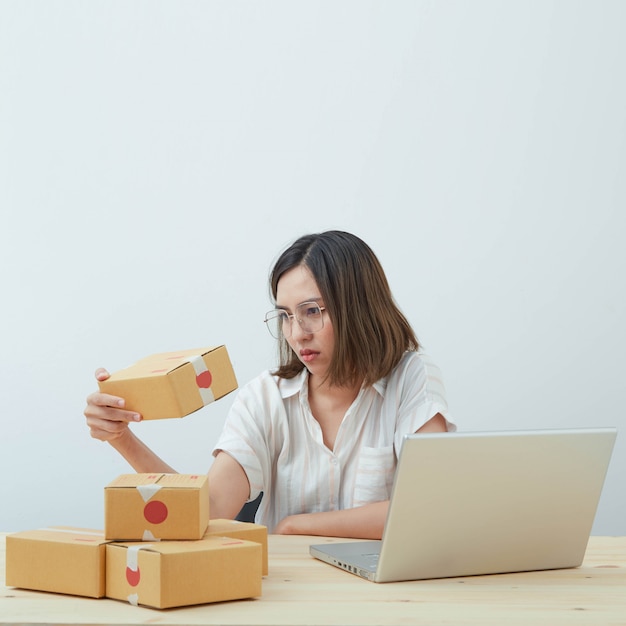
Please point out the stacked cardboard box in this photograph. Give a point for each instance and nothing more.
(179, 573)
(158, 548)
(227, 559)
(240, 530)
(60, 559)
(227, 562)
(150, 507)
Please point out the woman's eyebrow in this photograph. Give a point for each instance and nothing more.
(317, 300)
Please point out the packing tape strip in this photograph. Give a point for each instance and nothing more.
(148, 536)
(132, 558)
(200, 367)
(148, 491)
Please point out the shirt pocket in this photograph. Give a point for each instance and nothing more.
(374, 475)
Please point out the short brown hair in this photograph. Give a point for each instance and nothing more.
(371, 333)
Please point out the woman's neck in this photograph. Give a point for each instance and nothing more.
(329, 404)
(333, 394)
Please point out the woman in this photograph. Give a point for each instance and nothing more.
(320, 436)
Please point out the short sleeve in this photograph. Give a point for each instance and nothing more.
(247, 435)
(420, 393)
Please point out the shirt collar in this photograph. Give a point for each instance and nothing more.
(291, 386)
(381, 386)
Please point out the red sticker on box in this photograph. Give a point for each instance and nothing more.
(133, 576)
(204, 380)
(155, 512)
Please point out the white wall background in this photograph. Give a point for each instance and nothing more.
(156, 156)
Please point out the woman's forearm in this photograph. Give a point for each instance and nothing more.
(141, 458)
(364, 522)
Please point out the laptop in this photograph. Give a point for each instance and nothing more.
(466, 504)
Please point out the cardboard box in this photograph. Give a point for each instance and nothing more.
(173, 384)
(148, 507)
(240, 530)
(60, 559)
(181, 573)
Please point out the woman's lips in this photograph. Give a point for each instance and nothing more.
(308, 355)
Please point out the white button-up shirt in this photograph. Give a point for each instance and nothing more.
(272, 433)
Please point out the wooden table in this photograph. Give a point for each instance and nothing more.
(301, 590)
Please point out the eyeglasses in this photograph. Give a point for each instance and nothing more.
(308, 314)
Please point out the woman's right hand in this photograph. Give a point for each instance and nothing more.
(107, 418)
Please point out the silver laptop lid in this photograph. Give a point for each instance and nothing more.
(481, 503)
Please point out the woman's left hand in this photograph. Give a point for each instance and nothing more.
(289, 525)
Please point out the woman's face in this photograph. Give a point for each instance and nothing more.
(315, 350)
